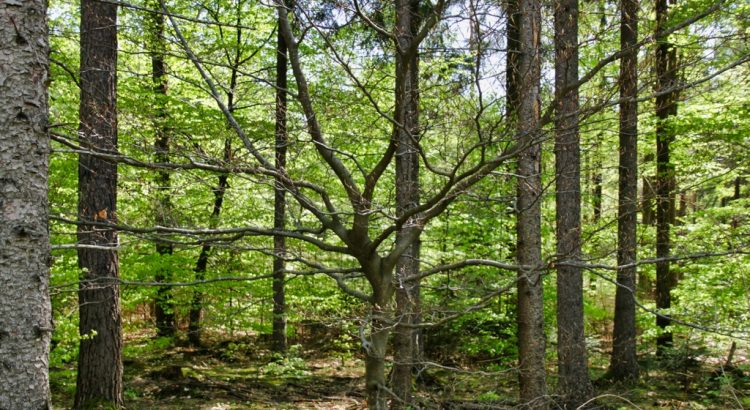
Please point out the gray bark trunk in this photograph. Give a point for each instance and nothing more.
(24, 237)
(100, 358)
(376, 346)
(623, 365)
(407, 198)
(531, 338)
(574, 384)
(279, 342)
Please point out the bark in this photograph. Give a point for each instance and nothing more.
(531, 338)
(376, 346)
(597, 189)
(278, 339)
(574, 385)
(623, 364)
(511, 60)
(100, 358)
(666, 106)
(24, 237)
(407, 197)
(163, 311)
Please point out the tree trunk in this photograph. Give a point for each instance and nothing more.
(279, 342)
(24, 236)
(100, 358)
(375, 348)
(407, 198)
(531, 337)
(623, 365)
(574, 385)
(196, 304)
(666, 106)
(163, 311)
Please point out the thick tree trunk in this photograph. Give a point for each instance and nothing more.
(279, 342)
(623, 365)
(407, 197)
(666, 106)
(376, 346)
(531, 337)
(25, 313)
(574, 385)
(163, 311)
(100, 358)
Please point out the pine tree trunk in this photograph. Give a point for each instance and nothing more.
(279, 342)
(24, 236)
(623, 365)
(666, 106)
(531, 337)
(100, 358)
(163, 311)
(574, 385)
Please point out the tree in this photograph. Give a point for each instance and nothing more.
(531, 337)
(25, 313)
(406, 133)
(99, 361)
(666, 107)
(574, 384)
(157, 46)
(279, 212)
(623, 365)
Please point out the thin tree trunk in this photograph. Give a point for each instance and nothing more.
(623, 365)
(574, 385)
(25, 312)
(163, 311)
(531, 337)
(100, 358)
(279, 342)
(666, 106)
(195, 327)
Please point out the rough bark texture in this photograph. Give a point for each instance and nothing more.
(407, 197)
(100, 358)
(666, 106)
(24, 237)
(279, 342)
(623, 365)
(574, 385)
(531, 338)
(163, 312)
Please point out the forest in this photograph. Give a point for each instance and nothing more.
(369, 204)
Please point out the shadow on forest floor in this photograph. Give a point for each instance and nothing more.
(244, 374)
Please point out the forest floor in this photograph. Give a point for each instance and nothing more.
(244, 374)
